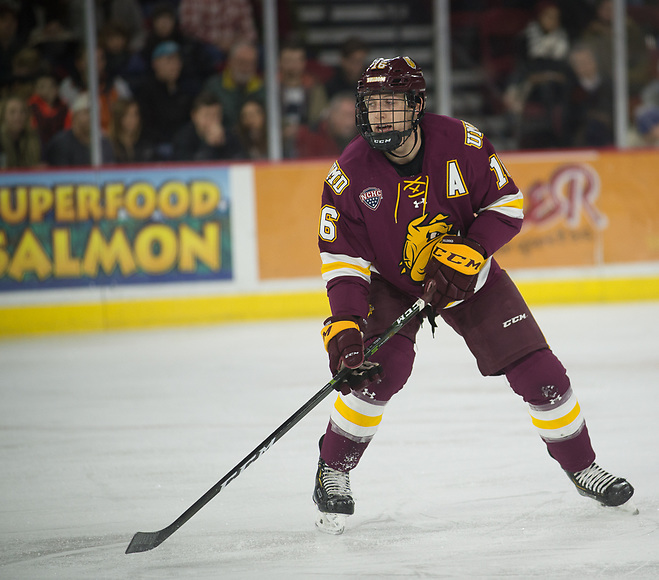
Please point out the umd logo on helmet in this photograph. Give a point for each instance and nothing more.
(371, 197)
(409, 61)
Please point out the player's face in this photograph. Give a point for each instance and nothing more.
(388, 112)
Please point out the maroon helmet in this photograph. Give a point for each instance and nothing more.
(390, 76)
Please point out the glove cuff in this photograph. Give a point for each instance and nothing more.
(331, 329)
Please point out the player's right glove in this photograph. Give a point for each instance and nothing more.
(452, 270)
(345, 345)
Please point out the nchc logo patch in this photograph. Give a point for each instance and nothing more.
(371, 197)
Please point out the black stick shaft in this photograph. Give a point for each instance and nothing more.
(144, 541)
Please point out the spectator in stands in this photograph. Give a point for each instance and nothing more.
(238, 81)
(10, 43)
(128, 12)
(354, 60)
(121, 62)
(302, 98)
(333, 133)
(199, 58)
(129, 144)
(599, 36)
(49, 113)
(164, 101)
(47, 20)
(645, 132)
(650, 94)
(538, 91)
(253, 130)
(221, 23)
(52, 35)
(109, 89)
(25, 16)
(591, 101)
(19, 143)
(205, 138)
(25, 67)
(72, 147)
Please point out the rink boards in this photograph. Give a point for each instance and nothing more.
(183, 244)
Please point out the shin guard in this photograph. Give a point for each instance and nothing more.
(542, 382)
(355, 417)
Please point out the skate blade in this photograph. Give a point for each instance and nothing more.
(333, 524)
(629, 507)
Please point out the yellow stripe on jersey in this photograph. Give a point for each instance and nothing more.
(335, 265)
(509, 205)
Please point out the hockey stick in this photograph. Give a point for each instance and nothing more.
(145, 541)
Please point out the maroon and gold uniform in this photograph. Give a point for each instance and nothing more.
(374, 220)
(396, 206)
(377, 229)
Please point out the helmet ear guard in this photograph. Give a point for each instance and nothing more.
(398, 75)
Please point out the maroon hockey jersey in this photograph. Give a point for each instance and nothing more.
(374, 220)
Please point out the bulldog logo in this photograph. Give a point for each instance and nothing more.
(422, 234)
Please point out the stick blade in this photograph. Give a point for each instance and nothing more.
(145, 541)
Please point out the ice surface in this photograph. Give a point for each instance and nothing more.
(106, 434)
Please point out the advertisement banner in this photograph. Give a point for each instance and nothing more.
(287, 208)
(114, 226)
(581, 208)
(585, 209)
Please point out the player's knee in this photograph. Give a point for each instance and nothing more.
(538, 377)
(397, 358)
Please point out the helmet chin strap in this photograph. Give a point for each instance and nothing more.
(416, 138)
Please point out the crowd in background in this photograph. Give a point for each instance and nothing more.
(181, 80)
(178, 81)
(560, 93)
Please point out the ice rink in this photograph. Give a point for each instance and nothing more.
(104, 435)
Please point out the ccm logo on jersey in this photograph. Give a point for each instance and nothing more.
(513, 320)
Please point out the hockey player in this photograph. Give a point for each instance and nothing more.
(417, 206)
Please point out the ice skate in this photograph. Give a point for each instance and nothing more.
(603, 487)
(333, 497)
(334, 524)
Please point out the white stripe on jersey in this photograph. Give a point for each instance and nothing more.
(509, 205)
(335, 265)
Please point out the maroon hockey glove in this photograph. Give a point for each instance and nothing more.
(345, 345)
(452, 270)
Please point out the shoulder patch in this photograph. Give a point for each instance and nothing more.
(473, 137)
(337, 179)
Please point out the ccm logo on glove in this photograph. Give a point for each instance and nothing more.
(461, 254)
(452, 270)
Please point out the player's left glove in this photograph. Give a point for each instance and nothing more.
(452, 270)
(345, 345)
